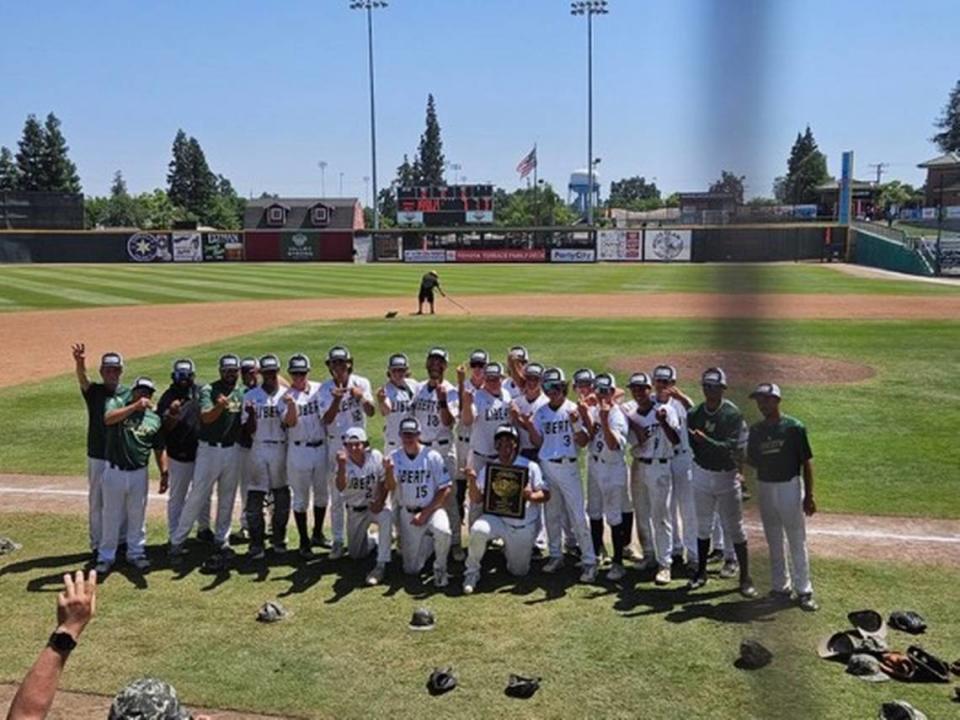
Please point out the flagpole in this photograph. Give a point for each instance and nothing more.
(536, 187)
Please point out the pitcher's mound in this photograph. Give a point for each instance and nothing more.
(745, 369)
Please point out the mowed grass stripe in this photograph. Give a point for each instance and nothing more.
(60, 289)
(183, 290)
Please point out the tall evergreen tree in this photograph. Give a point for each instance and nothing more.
(178, 177)
(948, 139)
(9, 174)
(121, 209)
(430, 153)
(30, 155)
(806, 168)
(407, 174)
(58, 173)
(203, 189)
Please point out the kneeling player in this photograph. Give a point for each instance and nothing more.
(517, 534)
(418, 476)
(360, 479)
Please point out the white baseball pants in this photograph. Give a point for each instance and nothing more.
(718, 492)
(267, 467)
(781, 510)
(124, 503)
(95, 468)
(606, 486)
(566, 499)
(215, 466)
(683, 509)
(657, 488)
(517, 539)
(416, 542)
(181, 475)
(358, 542)
(641, 508)
(306, 471)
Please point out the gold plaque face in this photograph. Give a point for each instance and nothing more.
(503, 490)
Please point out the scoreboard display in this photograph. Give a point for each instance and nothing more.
(445, 205)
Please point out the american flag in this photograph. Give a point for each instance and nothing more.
(529, 162)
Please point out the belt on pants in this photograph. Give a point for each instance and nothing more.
(315, 443)
(271, 442)
(114, 466)
(220, 444)
(651, 461)
(484, 456)
(598, 459)
(461, 438)
(562, 460)
(357, 508)
(413, 510)
(529, 453)
(434, 442)
(680, 452)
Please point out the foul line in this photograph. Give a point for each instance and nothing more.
(67, 493)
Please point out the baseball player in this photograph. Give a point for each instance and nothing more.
(527, 403)
(478, 363)
(179, 407)
(306, 453)
(395, 398)
(361, 481)
(428, 283)
(419, 479)
(348, 399)
(517, 359)
(780, 451)
(221, 403)
(248, 378)
(267, 412)
(654, 433)
(606, 429)
(683, 512)
(556, 430)
(95, 396)
(133, 430)
(517, 533)
(436, 406)
(715, 427)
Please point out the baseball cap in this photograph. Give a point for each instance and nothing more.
(493, 369)
(553, 378)
(519, 352)
(714, 376)
(269, 363)
(639, 379)
(866, 667)
(438, 352)
(338, 352)
(767, 389)
(298, 363)
(410, 426)
(398, 361)
(479, 356)
(506, 430)
(583, 376)
(144, 383)
(355, 434)
(665, 372)
(147, 698)
(533, 370)
(184, 367)
(232, 362)
(605, 383)
(111, 359)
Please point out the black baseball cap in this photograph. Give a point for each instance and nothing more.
(553, 378)
(144, 383)
(639, 379)
(493, 369)
(533, 370)
(398, 361)
(410, 426)
(232, 362)
(111, 359)
(714, 376)
(767, 389)
(298, 363)
(665, 372)
(604, 383)
(519, 352)
(506, 430)
(479, 357)
(583, 376)
(269, 363)
(438, 352)
(184, 367)
(338, 352)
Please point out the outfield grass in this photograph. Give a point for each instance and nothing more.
(61, 286)
(884, 446)
(603, 651)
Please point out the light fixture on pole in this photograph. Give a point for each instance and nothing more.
(341, 184)
(369, 6)
(323, 177)
(589, 8)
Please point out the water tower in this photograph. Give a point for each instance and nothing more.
(579, 187)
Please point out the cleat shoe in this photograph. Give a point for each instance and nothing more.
(677, 560)
(240, 537)
(375, 577)
(320, 540)
(630, 554)
(458, 554)
(780, 596)
(589, 574)
(176, 551)
(648, 563)
(140, 563)
(553, 565)
(663, 577)
(305, 552)
(807, 603)
(697, 582)
(103, 569)
(715, 556)
(337, 551)
(279, 548)
(616, 572)
(497, 543)
(747, 589)
(440, 578)
(206, 536)
(256, 553)
(729, 570)
(470, 582)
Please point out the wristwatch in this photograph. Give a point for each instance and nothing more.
(61, 641)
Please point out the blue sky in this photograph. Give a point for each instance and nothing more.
(682, 89)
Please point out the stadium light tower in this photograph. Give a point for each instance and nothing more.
(369, 6)
(589, 8)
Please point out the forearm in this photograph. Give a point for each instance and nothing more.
(208, 417)
(672, 435)
(113, 417)
(467, 414)
(161, 458)
(438, 501)
(290, 418)
(82, 378)
(341, 478)
(369, 409)
(808, 479)
(446, 417)
(609, 439)
(36, 693)
(384, 407)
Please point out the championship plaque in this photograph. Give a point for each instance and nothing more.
(503, 490)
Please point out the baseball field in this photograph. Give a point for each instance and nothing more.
(868, 363)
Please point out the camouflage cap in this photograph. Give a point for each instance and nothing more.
(271, 612)
(147, 699)
(899, 710)
(8, 546)
(753, 655)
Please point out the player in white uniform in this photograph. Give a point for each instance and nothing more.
(395, 399)
(517, 359)
(606, 428)
(653, 436)
(483, 412)
(361, 481)
(517, 533)
(420, 482)
(478, 362)
(306, 453)
(267, 410)
(436, 406)
(527, 403)
(348, 399)
(555, 428)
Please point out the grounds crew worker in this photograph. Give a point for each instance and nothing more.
(778, 448)
(133, 430)
(428, 283)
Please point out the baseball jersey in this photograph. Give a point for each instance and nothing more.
(778, 450)
(362, 480)
(513, 390)
(535, 482)
(681, 413)
(426, 411)
(130, 441)
(96, 396)
(489, 412)
(657, 445)
(181, 439)
(618, 426)
(722, 428)
(557, 430)
(418, 478)
(269, 409)
(226, 428)
(526, 406)
(400, 398)
(350, 412)
(309, 427)
(463, 431)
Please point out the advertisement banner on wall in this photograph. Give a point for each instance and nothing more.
(618, 245)
(187, 247)
(664, 245)
(144, 247)
(297, 246)
(424, 256)
(573, 255)
(218, 247)
(504, 255)
(951, 212)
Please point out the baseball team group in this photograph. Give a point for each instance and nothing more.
(659, 466)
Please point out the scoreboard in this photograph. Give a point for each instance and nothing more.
(445, 205)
